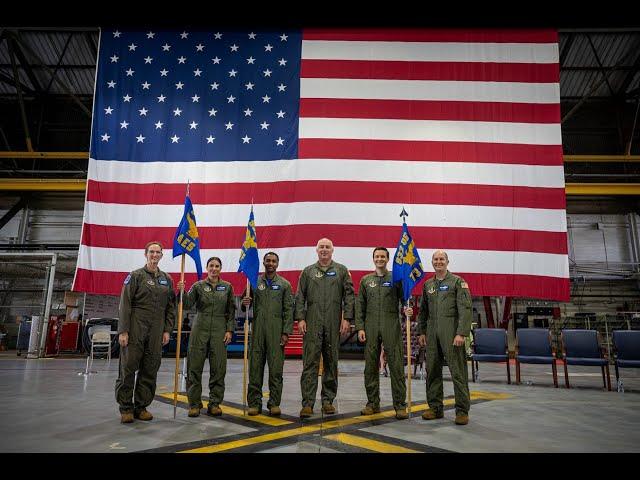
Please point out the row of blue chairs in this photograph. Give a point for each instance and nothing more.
(579, 347)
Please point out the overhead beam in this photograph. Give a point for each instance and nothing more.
(10, 81)
(16, 77)
(79, 185)
(630, 76)
(28, 68)
(42, 185)
(608, 189)
(596, 86)
(46, 155)
(6, 218)
(599, 158)
(62, 84)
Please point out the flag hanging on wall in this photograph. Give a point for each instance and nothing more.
(330, 131)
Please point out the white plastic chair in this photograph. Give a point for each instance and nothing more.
(100, 343)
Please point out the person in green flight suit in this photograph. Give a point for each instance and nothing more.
(272, 325)
(445, 322)
(146, 318)
(324, 310)
(212, 332)
(378, 323)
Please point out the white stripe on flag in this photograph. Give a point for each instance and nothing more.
(337, 213)
(355, 258)
(431, 51)
(431, 130)
(329, 169)
(508, 92)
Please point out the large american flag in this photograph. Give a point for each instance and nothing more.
(330, 133)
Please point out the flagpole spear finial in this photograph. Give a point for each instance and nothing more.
(404, 214)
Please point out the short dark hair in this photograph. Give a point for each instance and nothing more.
(271, 253)
(214, 258)
(380, 248)
(146, 247)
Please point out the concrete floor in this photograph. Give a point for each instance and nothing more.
(48, 405)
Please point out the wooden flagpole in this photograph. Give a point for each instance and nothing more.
(408, 320)
(246, 347)
(179, 341)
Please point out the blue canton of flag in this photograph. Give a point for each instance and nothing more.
(197, 96)
(407, 266)
(249, 261)
(186, 239)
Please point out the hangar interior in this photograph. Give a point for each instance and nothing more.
(46, 93)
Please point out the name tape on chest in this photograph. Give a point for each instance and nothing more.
(163, 281)
(221, 288)
(443, 288)
(387, 284)
(331, 274)
(275, 287)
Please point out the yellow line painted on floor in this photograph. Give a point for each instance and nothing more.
(327, 425)
(236, 412)
(478, 395)
(269, 437)
(368, 444)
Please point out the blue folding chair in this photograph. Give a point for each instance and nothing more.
(581, 347)
(533, 345)
(489, 345)
(626, 345)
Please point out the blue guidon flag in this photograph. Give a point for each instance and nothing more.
(186, 239)
(249, 261)
(407, 266)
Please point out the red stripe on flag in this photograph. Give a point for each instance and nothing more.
(430, 110)
(430, 151)
(325, 191)
(270, 237)
(551, 288)
(434, 35)
(446, 71)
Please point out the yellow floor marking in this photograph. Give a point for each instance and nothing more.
(236, 412)
(478, 395)
(269, 437)
(327, 425)
(368, 444)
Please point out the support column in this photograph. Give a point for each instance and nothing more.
(504, 323)
(634, 235)
(47, 305)
(488, 311)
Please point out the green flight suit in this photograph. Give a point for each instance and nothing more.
(216, 310)
(272, 316)
(324, 294)
(147, 310)
(445, 311)
(377, 313)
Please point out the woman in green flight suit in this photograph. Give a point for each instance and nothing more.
(213, 330)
